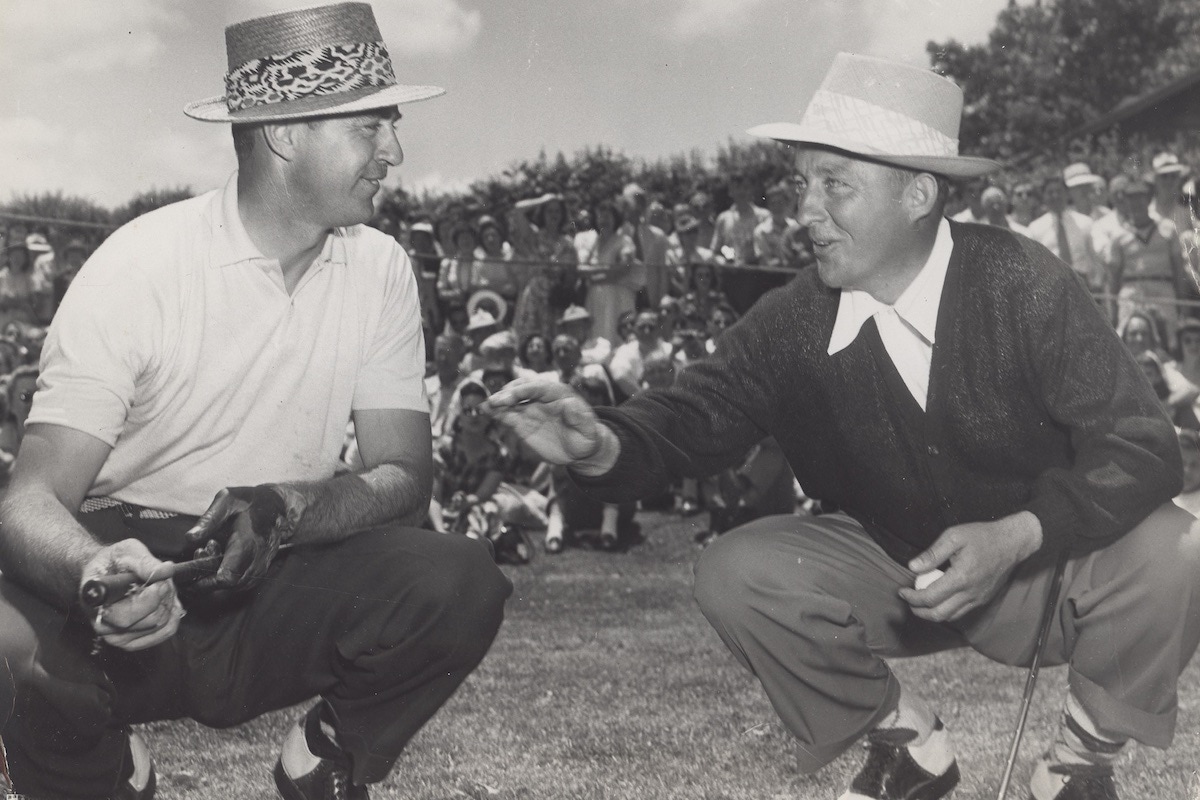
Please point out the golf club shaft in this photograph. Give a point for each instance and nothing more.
(1031, 680)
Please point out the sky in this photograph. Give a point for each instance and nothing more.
(92, 91)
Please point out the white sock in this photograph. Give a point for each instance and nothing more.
(1083, 744)
(554, 525)
(608, 522)
(141, 762)
(932, 749)
(297, 759)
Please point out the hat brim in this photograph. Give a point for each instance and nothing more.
(1174, 169)
(1085, 180)
(949, 166)
(213, 109)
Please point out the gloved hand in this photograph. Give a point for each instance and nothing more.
(144, 617)
(250, 523)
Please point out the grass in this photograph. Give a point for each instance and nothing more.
(606, 683)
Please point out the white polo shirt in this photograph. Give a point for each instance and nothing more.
(179, 346)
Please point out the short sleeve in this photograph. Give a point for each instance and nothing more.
(99, 347)
(392, 375)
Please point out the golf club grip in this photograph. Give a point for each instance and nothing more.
(108, 589)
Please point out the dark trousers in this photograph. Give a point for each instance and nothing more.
(383, 626)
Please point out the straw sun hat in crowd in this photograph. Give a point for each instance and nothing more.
(888, 112)
(305, 63)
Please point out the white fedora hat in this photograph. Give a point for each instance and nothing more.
(307, 62)
(885, 111)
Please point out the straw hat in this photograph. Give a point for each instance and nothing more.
(306, 63)
(1080, 174)
(575, 313)
(480, 320)
(888, 112)
(1167, 164)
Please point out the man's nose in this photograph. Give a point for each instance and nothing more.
(812, 206)
(390, 151)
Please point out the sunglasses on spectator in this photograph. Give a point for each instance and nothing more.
(471, 411)
(645, 328)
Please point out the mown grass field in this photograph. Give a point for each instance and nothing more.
(606, 683)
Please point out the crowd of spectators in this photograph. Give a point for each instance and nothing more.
(622, 296)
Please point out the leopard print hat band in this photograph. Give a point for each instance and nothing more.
(305, 63)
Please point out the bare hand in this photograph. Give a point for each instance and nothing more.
(982, 555)
(551, 418)
(146, 616)
(250, 523)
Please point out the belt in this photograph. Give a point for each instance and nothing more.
(129, 510)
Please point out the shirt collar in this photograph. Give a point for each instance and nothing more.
(917, 305)
(231, 244)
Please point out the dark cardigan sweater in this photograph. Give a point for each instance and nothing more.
(1034, 403)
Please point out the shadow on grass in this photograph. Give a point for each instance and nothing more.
(606, 683)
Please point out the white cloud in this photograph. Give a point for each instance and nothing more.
(411, 27)
(698, 18)
(435, 183)
(55, 36)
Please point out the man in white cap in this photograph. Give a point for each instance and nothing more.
(1067, 233)
(218, 347)
(1085, 188)
(1169, 172)
(954, 391)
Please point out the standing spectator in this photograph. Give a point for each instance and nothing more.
(577, 322)
(74, 254)
(972, 193)
(1168, 180)
(733, 237)
(650, 245)
(440, 387)
(1146, 261)
(20, 301)
(688, 252)
(1084, 188)
(701, 204)
(607, 260)
(427, 261)
(772, 236)
(540, 236)
(1067, 233)
(629, 361)
(493, 267)
(454, 283)
(1025, 203)
(995, 210)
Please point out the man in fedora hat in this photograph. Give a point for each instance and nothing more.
(217, 347)
(952, 389)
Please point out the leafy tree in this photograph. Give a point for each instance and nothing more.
(1051, 66)
(148, 201)
(56, 205)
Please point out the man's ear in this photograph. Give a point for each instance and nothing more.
(920, 197)
(281, 138)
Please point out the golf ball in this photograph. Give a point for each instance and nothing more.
(926, 578)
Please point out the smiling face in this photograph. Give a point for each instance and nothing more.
(852, 210)
(339, 163)
(1138, 337)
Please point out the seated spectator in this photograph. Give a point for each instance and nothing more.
(1141, 337)
(629, 360)
(471, 493)
(448, 351)
(670, 312)
(1189, 497)
(658, 372)
(733, 237)
(1084, 189)
(625, 327)
(1067, 233)
(481, 326)
(772, 237)
(761, 486)
(498, 353)
(693, 338)
(577, 322)
(703, 293)
(567, 365)
(22, 384)
(571, 513)
(720, 319)
(687, 251)
(534, 353)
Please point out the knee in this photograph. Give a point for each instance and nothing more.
(1171, 555)
(728, 572)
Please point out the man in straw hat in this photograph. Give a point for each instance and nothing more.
(224, 342)
(954, 391)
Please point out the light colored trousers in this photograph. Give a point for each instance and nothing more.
(810, 606)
